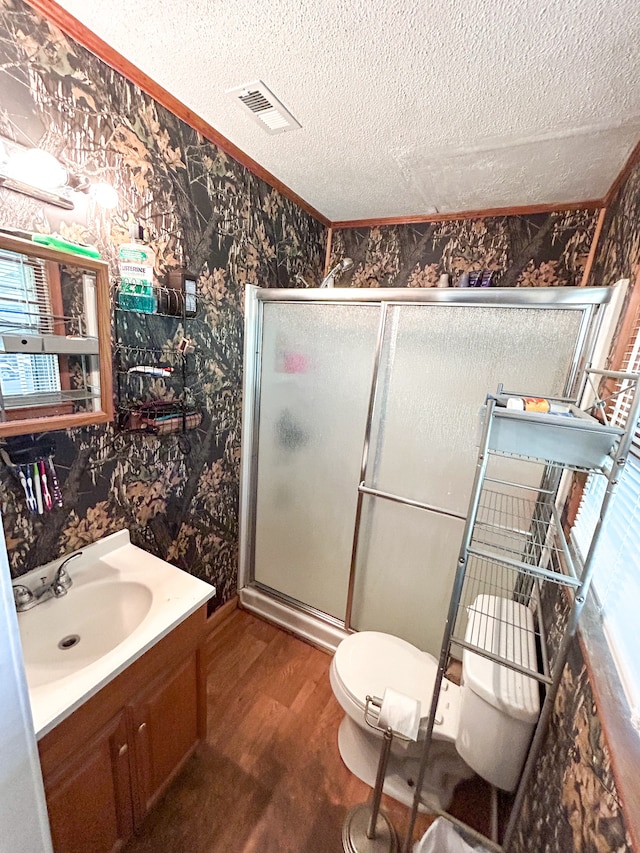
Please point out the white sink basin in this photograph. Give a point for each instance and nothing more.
(122, 601)
(75, 630)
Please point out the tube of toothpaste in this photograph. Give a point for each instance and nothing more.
(151, 371)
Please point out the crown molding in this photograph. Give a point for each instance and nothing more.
(88, 39)
(54, 13)
(522, 210)
(624, 173)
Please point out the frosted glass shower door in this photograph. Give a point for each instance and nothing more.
(438, 362)
(315, 380)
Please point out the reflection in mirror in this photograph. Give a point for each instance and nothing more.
(51, 349)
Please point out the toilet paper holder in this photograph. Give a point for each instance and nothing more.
(367, 828)
(376, 703)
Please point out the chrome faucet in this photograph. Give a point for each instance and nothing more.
(25, 598)
(62, 580)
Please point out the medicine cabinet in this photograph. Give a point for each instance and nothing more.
(55, 339)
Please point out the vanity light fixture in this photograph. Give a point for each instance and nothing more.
(36, 167)
(8, 183)
(36, 173)
(104, 195)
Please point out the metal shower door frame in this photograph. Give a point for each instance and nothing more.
(590, 301)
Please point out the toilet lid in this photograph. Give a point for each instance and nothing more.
(368, 662)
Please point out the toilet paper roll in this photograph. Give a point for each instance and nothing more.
(401, 713)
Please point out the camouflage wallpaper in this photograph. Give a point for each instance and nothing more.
(618, 253)
(202, 211)
(539, 250)
(572, 803)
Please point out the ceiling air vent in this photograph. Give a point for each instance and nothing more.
(264, 107)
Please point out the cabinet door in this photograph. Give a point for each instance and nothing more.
(89, 797)
(165, 721)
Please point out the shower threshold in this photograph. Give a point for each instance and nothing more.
(317, 628)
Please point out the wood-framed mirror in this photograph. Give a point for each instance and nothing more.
(55, 339)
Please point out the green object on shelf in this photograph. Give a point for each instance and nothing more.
(57, 242)
(137, 298)
(136, 262)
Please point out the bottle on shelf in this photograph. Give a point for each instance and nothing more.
(541, 405)
(136, 262)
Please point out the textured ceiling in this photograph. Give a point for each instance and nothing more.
(407, 107)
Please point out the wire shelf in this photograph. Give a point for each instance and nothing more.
(158, 417)
(522, 530)
(600, 468)
(128, 358)
(504, 636)
(169, 302)
(40, 322)
(517, 597)
(573, 440)
(157, 386)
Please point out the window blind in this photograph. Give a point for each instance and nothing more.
(25, 304)
(630, 364)
(25, 309)
(616, 578)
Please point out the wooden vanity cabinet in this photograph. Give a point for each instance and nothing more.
(165, 725)
(106, 765)
(89, 796)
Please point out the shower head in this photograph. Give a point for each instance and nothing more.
(340, 267)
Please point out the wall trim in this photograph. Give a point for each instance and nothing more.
(219, 616)
(54, 13)
(622, 741)
(594, 245)
(620, 737)
(327, 256)
(523, 210)
(633, 158)
(213, 625)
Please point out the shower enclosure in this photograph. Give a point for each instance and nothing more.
(361, 411)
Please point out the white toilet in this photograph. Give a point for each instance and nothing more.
(482, 726)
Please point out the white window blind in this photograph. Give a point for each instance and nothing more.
(631, 364)
(25, 309)
(616, 578)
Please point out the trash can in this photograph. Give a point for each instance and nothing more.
(441, 837)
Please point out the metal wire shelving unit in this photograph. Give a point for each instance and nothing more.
(158, 382)
(514, 549)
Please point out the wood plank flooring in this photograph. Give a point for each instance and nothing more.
(270, 779)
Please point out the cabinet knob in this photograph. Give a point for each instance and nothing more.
(123, 749)
(141, 728)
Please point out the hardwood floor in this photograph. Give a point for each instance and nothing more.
(270, 778)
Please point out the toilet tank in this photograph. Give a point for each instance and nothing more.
(499, 707)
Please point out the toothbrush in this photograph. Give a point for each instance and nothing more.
(28, 494)
(28, 489)
(46, 495)
(55, 485)
(38, 490)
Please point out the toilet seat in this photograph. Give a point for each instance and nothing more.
(368, 662)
